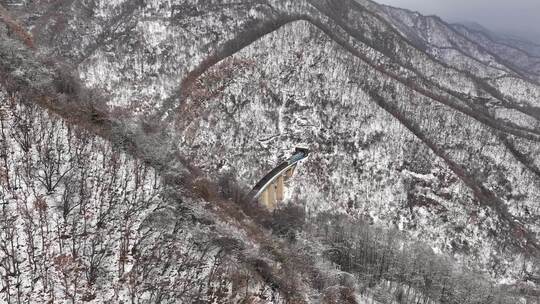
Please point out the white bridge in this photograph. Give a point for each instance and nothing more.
(269, 191)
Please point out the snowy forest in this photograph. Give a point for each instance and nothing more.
(131, 133)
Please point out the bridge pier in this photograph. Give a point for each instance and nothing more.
(280, 188)
(263, 198)
(272, 197)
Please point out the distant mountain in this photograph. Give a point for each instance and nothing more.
(523, 41)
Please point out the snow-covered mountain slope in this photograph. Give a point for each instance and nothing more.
(83, 222)
(414, 124)
(373, 155)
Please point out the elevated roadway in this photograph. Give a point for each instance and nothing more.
(269, 191)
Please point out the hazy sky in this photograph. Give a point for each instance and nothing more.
(516, 16)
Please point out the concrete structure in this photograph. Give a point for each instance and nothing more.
(269, 191)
